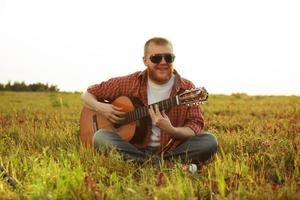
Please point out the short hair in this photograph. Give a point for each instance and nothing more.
(157, 41)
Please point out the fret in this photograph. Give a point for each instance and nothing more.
(166, 104)
(145, 110)
(164, 107)
(129, 116)
(134, 115)
(138, 113)
(160, 105)
(173, 101)
(141, 113)
(126, 118)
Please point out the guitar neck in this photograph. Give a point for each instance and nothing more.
(142, 112)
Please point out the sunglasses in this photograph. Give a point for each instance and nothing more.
(156, 58)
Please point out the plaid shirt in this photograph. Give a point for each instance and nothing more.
(134, 86)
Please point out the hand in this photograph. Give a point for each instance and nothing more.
(160, 119)
(112, 113)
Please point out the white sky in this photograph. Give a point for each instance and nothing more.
(225, 46)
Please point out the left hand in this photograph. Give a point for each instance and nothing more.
(160, 119)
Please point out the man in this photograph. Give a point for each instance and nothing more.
(176, 133)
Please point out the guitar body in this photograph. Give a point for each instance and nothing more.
(90, 121)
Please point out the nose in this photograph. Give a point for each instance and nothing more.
(163, 61)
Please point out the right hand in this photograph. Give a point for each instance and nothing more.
(112, 113)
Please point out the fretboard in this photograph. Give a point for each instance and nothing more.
(142, 112)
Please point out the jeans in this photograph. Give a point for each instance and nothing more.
(196, 149)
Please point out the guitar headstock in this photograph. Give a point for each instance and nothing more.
(193, 96)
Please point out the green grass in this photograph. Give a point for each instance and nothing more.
(258, 158)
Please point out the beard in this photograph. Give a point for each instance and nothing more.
(160, 74)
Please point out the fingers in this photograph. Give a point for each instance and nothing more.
(115, 119)
(116, 108)
(151, 112)
(118, 111)
(116, 115)
(155, 114)
(164, 114)
(154, 110)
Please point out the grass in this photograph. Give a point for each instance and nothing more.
(258, 158)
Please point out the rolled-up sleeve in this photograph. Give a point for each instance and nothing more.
(194, 119)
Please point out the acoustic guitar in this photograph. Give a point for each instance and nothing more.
(90, 121)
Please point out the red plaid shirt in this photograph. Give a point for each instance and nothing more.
(135, 86)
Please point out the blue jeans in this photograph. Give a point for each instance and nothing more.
(196, 149)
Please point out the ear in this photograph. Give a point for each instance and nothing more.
(144, 60)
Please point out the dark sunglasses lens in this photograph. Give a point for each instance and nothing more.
(169, 58)
(156, 58)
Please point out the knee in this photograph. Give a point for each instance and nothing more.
(211, 142)
(103, 139)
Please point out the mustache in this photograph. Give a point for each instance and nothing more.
(163, 65)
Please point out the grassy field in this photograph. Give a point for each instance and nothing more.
(258, 158)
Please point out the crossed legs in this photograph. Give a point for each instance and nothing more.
(196, 149)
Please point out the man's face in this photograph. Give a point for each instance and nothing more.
(162, 71)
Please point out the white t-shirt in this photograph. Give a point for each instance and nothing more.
(155, 94)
